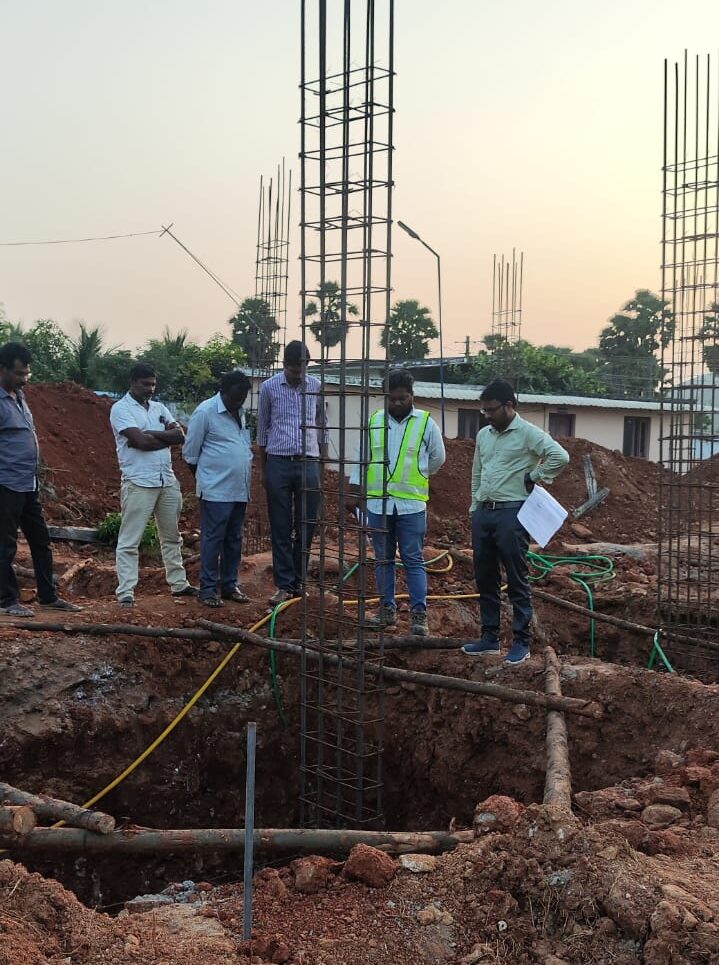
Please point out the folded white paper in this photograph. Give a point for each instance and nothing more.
(541, 515)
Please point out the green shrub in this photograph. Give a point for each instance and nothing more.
(109, 528)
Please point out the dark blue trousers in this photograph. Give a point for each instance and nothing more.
(497, 537)
(293, 504)
(221, 527)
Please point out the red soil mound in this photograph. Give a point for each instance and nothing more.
(81, 479)
(629, 514)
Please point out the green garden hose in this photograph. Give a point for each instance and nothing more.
(587, 571)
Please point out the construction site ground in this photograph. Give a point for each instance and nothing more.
(632, 877)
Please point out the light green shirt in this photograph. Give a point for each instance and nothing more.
(501, 460)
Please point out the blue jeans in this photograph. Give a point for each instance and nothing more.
(221, 526)
(406, 531)
(497, 537)
(293, 505)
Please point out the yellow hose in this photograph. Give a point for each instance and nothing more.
(171, 726)
(215, 674)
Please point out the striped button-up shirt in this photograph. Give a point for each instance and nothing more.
(291, 419)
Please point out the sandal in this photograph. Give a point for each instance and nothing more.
(237, 596)
(212, 601)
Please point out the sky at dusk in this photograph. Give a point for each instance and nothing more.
(528, 125)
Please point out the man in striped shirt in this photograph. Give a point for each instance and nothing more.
(291, 438)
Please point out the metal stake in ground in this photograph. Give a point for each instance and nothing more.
(249, 828)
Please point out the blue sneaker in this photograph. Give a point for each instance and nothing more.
(518, 654)
(485, 645)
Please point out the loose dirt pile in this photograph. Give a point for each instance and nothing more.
(628, 515)
(632, 879)
(636, 882)
(81, 479)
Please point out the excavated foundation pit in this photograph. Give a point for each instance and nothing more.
(444, 751)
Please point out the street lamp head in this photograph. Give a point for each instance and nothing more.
(410, 232)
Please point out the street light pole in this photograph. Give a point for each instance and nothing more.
(413, 234)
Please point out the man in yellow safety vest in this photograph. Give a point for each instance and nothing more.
(402, 456)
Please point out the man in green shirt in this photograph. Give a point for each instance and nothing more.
(510, 456)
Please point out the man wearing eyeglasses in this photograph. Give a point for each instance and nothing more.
(510, 456)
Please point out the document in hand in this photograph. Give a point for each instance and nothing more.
(541, 515)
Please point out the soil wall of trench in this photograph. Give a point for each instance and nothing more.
(444, 751)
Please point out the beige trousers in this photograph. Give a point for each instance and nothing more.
(138, 504)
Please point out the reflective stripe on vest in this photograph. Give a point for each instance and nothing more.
(404, 480)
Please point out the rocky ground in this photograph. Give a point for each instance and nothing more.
(631, 877)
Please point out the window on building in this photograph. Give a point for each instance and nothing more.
(561, 424)
(469, 422)
(636, 436)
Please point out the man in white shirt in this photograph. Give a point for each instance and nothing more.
(144, 431)
(219, 453)
(401, 460)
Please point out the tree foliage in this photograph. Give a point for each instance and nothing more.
(709, 334)
(331, 323)
(87, 350)
(52, 351)
(628, 346)
(531, 368)
(409, 332)
(186, 372)
(254, 331)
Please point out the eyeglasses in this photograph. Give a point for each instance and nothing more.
(489, 409)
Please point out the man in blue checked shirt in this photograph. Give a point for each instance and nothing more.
(292, 442)
(218, 451)
(402, 457)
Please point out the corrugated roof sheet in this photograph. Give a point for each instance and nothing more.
(471, 393)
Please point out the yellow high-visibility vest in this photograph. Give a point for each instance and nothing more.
(404, 480)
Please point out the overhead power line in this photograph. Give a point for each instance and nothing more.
(77, 241)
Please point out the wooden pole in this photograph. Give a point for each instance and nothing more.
(109, 629)
(53, 809)
(73, 840)
(572, 705)
(558, 780)
(17, 820)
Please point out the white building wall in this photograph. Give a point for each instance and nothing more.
(602, 426)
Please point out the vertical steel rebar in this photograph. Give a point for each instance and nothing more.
(345, 202)
(689, 430)
(249, 830)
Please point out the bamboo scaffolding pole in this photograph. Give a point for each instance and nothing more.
(54, 809)
(308, 840)
(558, 779)
(572, 705)
(18, 820)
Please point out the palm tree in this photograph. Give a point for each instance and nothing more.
(174, 344)
(87, 349)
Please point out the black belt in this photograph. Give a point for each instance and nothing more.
(494, 504)
(295, 458)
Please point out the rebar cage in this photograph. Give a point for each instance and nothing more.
(688, 589)
(346, 217)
